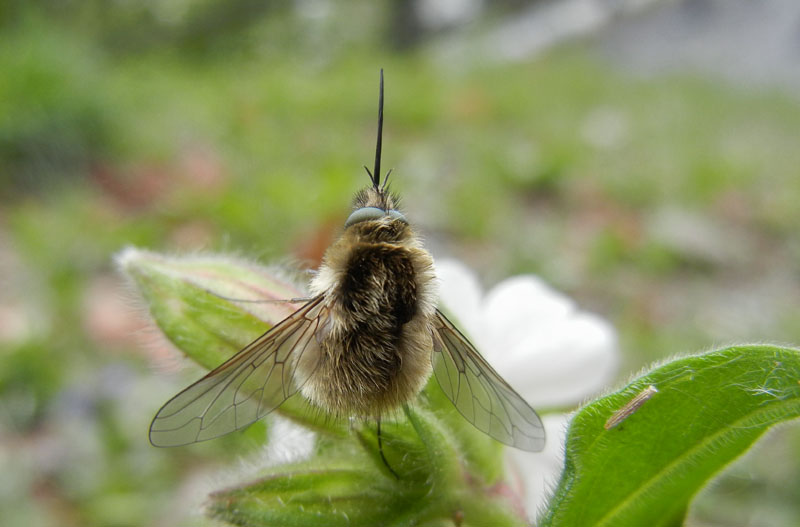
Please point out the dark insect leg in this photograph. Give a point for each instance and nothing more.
(380, 450)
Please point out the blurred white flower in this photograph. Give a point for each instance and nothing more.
(552, 353)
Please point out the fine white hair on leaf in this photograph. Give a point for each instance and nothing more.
(288, 443)
(164, 356)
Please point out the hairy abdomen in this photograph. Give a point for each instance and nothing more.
(377, 354)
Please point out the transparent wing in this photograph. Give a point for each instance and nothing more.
(244, 388)
(479, 393)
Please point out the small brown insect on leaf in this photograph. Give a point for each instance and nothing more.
(630, 407)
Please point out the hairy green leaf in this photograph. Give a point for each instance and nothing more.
(638, 456)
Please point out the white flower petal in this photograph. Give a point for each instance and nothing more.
(541, 471)
(536, 338)
(552, 369)
(460, 292)
(522, 301)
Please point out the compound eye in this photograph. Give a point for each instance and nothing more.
(397, 215)
(364, 214)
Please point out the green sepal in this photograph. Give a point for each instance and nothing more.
(210, 307)
(348, 485)
(482, 456)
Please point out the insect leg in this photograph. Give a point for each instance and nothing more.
(380, 450)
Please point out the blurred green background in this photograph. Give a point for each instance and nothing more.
(666, 199)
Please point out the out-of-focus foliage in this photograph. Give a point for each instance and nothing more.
(668, 204)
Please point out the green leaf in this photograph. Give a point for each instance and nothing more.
(708, 410)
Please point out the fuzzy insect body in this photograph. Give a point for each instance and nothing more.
(363, 345)
(374, 353)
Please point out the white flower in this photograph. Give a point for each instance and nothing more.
(552, 353)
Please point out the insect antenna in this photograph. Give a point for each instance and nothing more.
(375, 175)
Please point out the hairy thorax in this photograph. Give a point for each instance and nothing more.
(379, 285)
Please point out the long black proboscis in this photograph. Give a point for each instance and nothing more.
(376, 173)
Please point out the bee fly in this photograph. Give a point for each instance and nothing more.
(363, 344)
